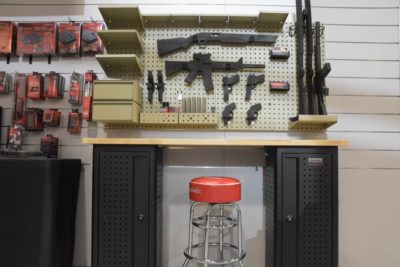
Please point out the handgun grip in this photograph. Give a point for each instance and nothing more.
(207, 79)
(165, 46)
(248, 93)
(226, 93)
(325, 70)
(191, 76)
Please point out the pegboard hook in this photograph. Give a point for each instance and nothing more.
(227, 19)
(292, 30)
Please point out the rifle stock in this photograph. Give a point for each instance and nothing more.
(165, 46)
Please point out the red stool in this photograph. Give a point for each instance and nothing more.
(216, 194)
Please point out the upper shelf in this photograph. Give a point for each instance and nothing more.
(115, 65)
(122, 17)
(114, 40)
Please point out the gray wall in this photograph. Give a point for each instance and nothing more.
(363, 48)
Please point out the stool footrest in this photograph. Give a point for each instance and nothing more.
(240, 255)
(215, 222)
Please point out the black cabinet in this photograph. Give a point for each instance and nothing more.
(301, 198)
(126, 206)
(38, 201)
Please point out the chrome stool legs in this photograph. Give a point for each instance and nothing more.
(218, 223)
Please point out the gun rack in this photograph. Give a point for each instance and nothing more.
(131, 38)
(116, 41)
(313, 122)
(113, 65)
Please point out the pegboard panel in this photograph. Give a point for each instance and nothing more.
(315, 226)
(115, 208)
(209, 119)
(277, 107)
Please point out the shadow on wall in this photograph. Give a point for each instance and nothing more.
(43, 8)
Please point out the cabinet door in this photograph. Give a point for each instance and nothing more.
(121, 207)
(308, 210)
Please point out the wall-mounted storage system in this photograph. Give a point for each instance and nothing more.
(131, 43)
(118, 102)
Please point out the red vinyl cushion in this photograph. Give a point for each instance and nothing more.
(215, 189)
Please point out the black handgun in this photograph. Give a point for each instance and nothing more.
(160, 85)
(150, 86)
(165, 46)
(252, 113)
(202, 64)
(252, 82)
(227, 84)
(227, 114)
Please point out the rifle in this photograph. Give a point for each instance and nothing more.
(252, 81)
(227, 84)
(227, 113)
(303, 103)
(312, 95)
(202, 64)
(165, 46)
(320, 74)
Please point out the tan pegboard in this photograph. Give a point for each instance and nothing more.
(208, 119)
(277, 108)
(159, 118)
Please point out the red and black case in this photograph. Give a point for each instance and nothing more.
(69, 38)
(36, 38)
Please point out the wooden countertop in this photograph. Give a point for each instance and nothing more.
(212, 142)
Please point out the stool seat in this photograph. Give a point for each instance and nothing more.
(215, 189)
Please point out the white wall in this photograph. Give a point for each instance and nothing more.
(363, 48)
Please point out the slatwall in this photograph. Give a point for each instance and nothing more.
(362, 45)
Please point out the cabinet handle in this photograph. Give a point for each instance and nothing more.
(289, 218)
(140, 218)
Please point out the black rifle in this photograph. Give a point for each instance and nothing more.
(252, 113)
(227, 84)
(160, 85)
(150, 86)
(320, 74)
(227, 114)
(303, 103)
(252, 81)
(311, 93)
(165, 46)
(202, 64)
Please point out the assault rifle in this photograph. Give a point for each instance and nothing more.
(320, 73)
(303, 103)
(165, 46)
(312, 95)
(202, 64)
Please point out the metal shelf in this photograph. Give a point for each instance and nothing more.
(116, 40)
(122, 17)
(264, 18)
(310, 122)
(113, 65)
